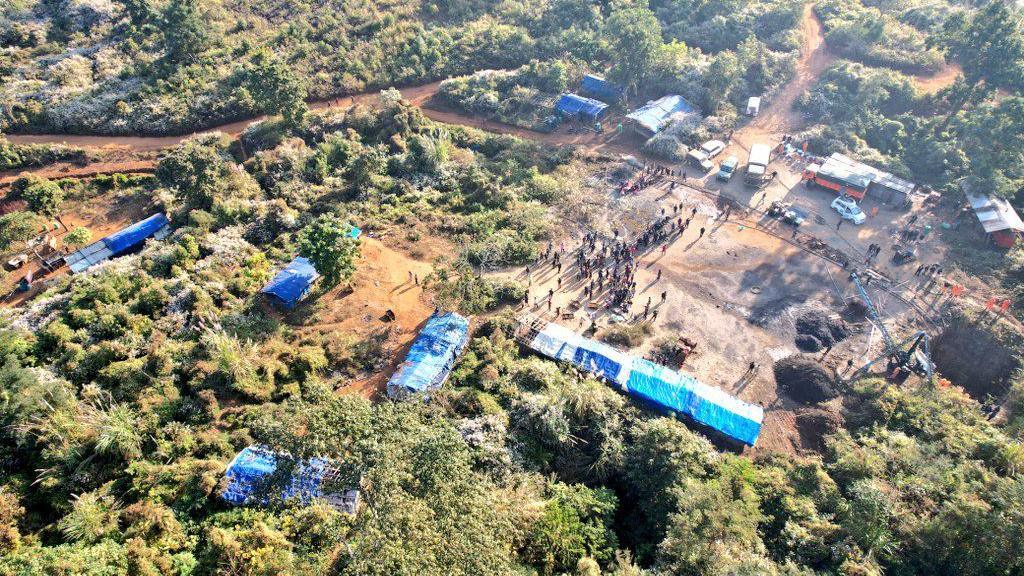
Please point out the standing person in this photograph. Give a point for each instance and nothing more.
(664, 295)
(838, 224)
(659, 275)
(654, 316)
(701, 232)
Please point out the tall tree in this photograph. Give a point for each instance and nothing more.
(989, 46)
(187, 30)
(276, 87)
(635, 38)
(42, 196)
(329, 244)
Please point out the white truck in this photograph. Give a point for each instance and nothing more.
(757, 165)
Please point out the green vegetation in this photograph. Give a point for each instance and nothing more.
(118, 424)
(329, 245)
(124, 392)
(41, 195)
(22, 156)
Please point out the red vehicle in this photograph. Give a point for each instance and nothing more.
(844, 175)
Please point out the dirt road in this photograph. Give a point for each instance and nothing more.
(779, 117)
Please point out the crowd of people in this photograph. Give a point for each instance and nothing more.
(604, 269)
(648, 176)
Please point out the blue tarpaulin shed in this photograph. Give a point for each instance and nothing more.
(651, 117)
(431, 356)
(250, 479)
(598, 87)
(120, 242)
(705, 404)
(576, 105)
(662, 386)
(292, 283)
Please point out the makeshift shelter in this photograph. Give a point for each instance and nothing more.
(651, 382)
(119, 243)
(597, 87)
(576, 106)
(292, 283)
(650, 118)
(253, 476)
(432, 355)
(1000, 221)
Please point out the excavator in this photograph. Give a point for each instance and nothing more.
(910, 355)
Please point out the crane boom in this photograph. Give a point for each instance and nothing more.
(890, 344)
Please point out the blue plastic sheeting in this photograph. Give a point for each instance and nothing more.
(124, 240)
(252, 469)
(127, 238)
(431, 356)
(575, 105)
(665, 387)
(292, 283)
(354, 232)
(598, 87)
(705, 404)
(653, 115)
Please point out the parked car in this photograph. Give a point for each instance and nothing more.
(728, 168)
(701, 157)
(849, 210)
(712, 148)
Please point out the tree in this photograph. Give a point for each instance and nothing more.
(274, 85)
(43, 196)
(197, 171)
(989, 46)
(187, 31)
(329, 244)
(17, 227)
(635, 38)
(78, 236)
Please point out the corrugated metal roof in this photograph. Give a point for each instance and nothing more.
(861, 175)
(995, 214)
(653, 115)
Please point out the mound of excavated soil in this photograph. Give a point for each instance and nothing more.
(808, 343)
(818, 324)
(804, 380)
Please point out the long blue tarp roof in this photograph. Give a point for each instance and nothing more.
(574, 104)
(127, 238)
(431, 356)
(653, 115)
(292, 283)
(667, 388)
(598, 87)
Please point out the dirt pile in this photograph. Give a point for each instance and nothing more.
(816, 330)
(804, 380)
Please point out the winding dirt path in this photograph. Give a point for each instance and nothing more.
(779, 116)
